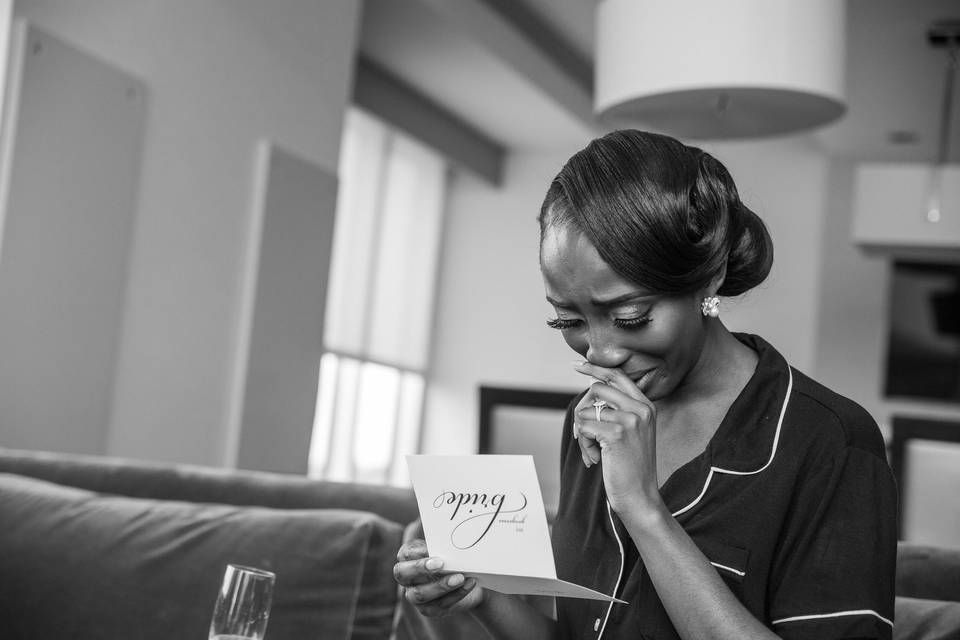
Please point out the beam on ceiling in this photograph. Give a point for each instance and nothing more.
(384, 95)
(514, 40)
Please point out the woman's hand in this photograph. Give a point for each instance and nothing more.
(425, 585)
(624, 439)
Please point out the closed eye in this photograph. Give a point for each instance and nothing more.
(563, 323)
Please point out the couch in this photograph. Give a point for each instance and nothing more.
(96, 548)
(101, 548)
(928, 593)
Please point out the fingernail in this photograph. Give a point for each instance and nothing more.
(455, 580)
(434, 563)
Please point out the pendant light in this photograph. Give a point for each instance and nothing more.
(710, 69)
(943, 35)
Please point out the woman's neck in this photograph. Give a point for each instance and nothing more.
(724, 367)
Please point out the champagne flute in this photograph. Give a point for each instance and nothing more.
(243, 604)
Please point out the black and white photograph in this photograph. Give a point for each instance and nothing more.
(480, 319)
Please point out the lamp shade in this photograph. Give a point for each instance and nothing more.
(707, 69)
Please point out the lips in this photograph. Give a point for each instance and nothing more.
(643, 378)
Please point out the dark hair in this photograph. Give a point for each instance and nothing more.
(663, 215)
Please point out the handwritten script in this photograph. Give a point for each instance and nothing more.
(477, 512)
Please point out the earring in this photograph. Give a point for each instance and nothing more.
(710, 306)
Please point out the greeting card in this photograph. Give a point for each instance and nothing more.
(484, 516)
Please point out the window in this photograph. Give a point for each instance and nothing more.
(379, 305)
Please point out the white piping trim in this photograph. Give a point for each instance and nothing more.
(776, 441)
(856, 612)
(616, 587)
(726, 568)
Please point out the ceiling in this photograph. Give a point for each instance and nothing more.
(519, 71)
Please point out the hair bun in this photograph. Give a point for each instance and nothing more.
(751, 253)
(662, 214)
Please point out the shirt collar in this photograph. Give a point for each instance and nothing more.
(746, 440)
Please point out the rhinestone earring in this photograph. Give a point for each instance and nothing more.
(710, 306)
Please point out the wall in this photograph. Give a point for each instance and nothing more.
(489, 327)
(221, 74)
(69, 194)
(853, 322)
(784, 181)
(491, 310)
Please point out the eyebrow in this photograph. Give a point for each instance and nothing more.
(612, 302)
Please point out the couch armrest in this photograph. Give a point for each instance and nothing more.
(918, 619)
(928, 572)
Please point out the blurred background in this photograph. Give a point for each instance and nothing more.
(300, 236)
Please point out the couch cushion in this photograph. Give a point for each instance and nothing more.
(89, 566)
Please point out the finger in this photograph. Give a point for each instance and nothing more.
(441, 606)
(616, 401)
(589, 452)
(586, 408)
(599, 433)
(589, 449)
(592, 454)
(616, 396)
(412, 550)
(429, 592)
(585, 401)
(612, 377)
(586, 459)
(416, 572)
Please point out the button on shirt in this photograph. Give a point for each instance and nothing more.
(792, 501)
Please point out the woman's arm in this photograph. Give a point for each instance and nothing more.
(698, 602)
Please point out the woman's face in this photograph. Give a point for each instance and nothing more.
(656, 340)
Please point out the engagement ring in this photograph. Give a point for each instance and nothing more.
(599, 405)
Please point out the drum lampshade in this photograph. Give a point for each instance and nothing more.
(713, 69)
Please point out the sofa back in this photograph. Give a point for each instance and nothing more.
(193, 483)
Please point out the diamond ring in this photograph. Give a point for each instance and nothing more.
(599, 405)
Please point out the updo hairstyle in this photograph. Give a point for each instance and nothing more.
(663, 215)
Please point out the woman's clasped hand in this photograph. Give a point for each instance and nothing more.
(622, 435)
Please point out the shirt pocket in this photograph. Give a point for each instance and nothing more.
(730, 561)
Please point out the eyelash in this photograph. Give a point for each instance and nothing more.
(628, 323)
(632, 323)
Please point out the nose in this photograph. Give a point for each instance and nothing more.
(605, 351)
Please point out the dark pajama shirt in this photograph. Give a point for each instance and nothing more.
(792, 501)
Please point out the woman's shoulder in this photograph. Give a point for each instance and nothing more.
(824, 419)
(833, 419)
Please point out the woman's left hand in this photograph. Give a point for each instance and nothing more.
(624, 440)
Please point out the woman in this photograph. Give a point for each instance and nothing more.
(719, 492)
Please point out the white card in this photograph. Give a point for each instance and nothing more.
(484, 516)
